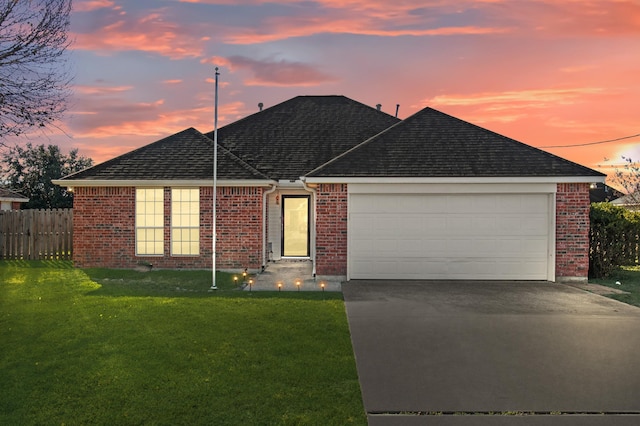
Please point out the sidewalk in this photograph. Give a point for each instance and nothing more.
(291, 275)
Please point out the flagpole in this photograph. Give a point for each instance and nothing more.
(215, 183)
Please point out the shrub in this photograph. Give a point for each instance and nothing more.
(614, 237)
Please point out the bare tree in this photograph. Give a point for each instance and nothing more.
(34, 77)
(628, 178)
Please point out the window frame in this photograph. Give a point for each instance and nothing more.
(158, 213)
(187, 213)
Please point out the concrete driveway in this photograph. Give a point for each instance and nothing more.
(475, 353)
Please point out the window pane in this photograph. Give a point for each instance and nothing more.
(149, 221)
(194, 248)
(185, 221)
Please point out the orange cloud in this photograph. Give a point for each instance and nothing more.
(100, 90)
(151, 33)
(347, 27)
(134, 133)
(360, 17)
(174, 81)
(89, 5)
(599, 18)
(539, 98)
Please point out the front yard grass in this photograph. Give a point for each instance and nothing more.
(98, 346)
(629, 279)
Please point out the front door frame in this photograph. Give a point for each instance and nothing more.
(308, 234)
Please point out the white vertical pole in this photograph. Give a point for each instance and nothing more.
(215, 183)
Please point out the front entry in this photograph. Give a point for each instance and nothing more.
(295, 225)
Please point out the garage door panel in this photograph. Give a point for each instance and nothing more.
(443, 268)
(535, 247)
(426, 236)
(362, 224)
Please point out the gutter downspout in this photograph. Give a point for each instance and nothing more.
(313, 230)
(265, 217)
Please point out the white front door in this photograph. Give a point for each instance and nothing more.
(295, 225)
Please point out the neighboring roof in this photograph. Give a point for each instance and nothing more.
(627, 200)
(601, 192)
(187, 155)
(294, 137)
(433, 144)
(9, 195)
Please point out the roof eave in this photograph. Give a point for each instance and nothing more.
(15, 200)
(71, 183)
(461, 180)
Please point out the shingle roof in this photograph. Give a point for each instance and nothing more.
(294, 137)
(10, 194)
(601, 192)
(185, 155)
(433, 144)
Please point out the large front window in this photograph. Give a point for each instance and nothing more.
(185, 221)
(149, 221)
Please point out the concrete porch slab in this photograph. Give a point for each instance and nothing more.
(291, 275)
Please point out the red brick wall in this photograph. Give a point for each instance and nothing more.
(572, 230)
(240, 216)
(104, 229)
(331, 229)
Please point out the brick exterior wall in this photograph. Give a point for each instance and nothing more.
(331, 229)
(104, 229)
(572, 231)
(240, 216)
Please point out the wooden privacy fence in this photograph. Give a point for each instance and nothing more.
(36, 234)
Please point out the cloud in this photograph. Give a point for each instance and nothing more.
(537, 98)
(274, 72)
(149, 33)
(173, 81)
(521, 105)
(148, 124)
(102, 111)
(289, 29)
(595, 18)
(100, 90)
(359, 17)
(90, 5)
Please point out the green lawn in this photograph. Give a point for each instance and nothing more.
(629, 279)
(81, 347)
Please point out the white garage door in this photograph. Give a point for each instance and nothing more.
(458, 236)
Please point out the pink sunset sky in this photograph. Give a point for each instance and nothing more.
(547, 73)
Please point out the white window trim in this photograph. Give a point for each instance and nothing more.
(137, 226)
(172, 227)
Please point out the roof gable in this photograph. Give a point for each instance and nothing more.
(186, 155)
(433, 144)
(10, 195)
(294, 137)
